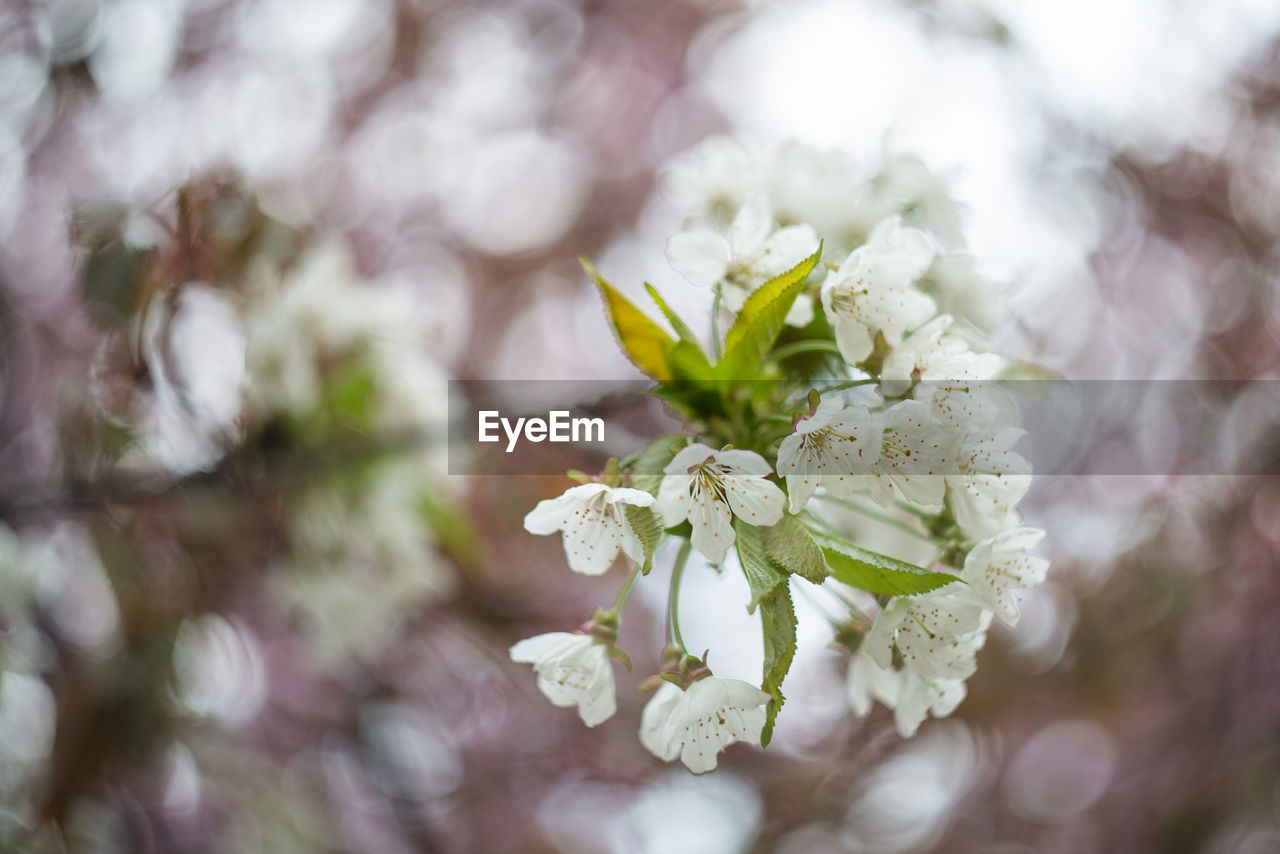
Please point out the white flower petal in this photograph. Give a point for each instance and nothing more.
(712, 527)
(853, 339)
(674, 501)
(653, 722)
(750, 228)
(572, 670)
(688, 457)
(754, 500)
(713, 714)
(541, 646)
(552, 514)
(592, 539)
(868, 681)
(700, 256)
(744, 462)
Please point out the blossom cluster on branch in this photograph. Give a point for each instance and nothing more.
(854, 379)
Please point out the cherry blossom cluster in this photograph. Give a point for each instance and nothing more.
(854, 382)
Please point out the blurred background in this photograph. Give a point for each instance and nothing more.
(244, 606)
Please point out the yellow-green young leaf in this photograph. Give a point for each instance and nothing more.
(792, 547)
(686, 360)
(648, 528)
(644, 342)
(778, 624)
(876, 573)
(682, 329)
(762, 317)
(689, 366)
(646, 468)
(763, 575)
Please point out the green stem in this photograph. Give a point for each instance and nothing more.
(911, 508)
(715, 325)
(823, 523)
(848, 384)
(810, 345)
(673, 595)
(813, 600)
(837, 387)
(887, 520)
(843, 598)
(626, 588)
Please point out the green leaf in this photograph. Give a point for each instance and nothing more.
(778, 623)
(682, 329)
(686, 359)
(688, 364)
(790, 544)
(877, 573)
(644, 342)
(647, 526)
(763, 575)
(762, 317)
(646, 468)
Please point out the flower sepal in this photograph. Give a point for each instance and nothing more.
(679, 668)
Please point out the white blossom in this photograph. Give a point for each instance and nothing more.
(822, 189)
(914, 452)
(920, 697)
(930, 354)
(573, 670)
(873, 289)
(999, 565)
(698, 723)
(753, 253)
(985, 477)
(906, 185)
(868, 682)
(710, 487)
(593, 519)
(711, 178)
(937, 634)
(911, 696)
(990, 480)
(829, 446)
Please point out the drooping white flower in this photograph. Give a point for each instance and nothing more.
(573, 670)
(829, 446)
(938, 634)
(914, 452)
(868, 682)
(753, 253)
(594, 523)
(710, 487)
(711, 178)
(821, 188)
(653, 721)
(698, 723)
(999, 565)
(932, 355)
(911, 696)
(921, 697)
(873, 289)
(906, 185)
(990, 479)
(985, 477)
